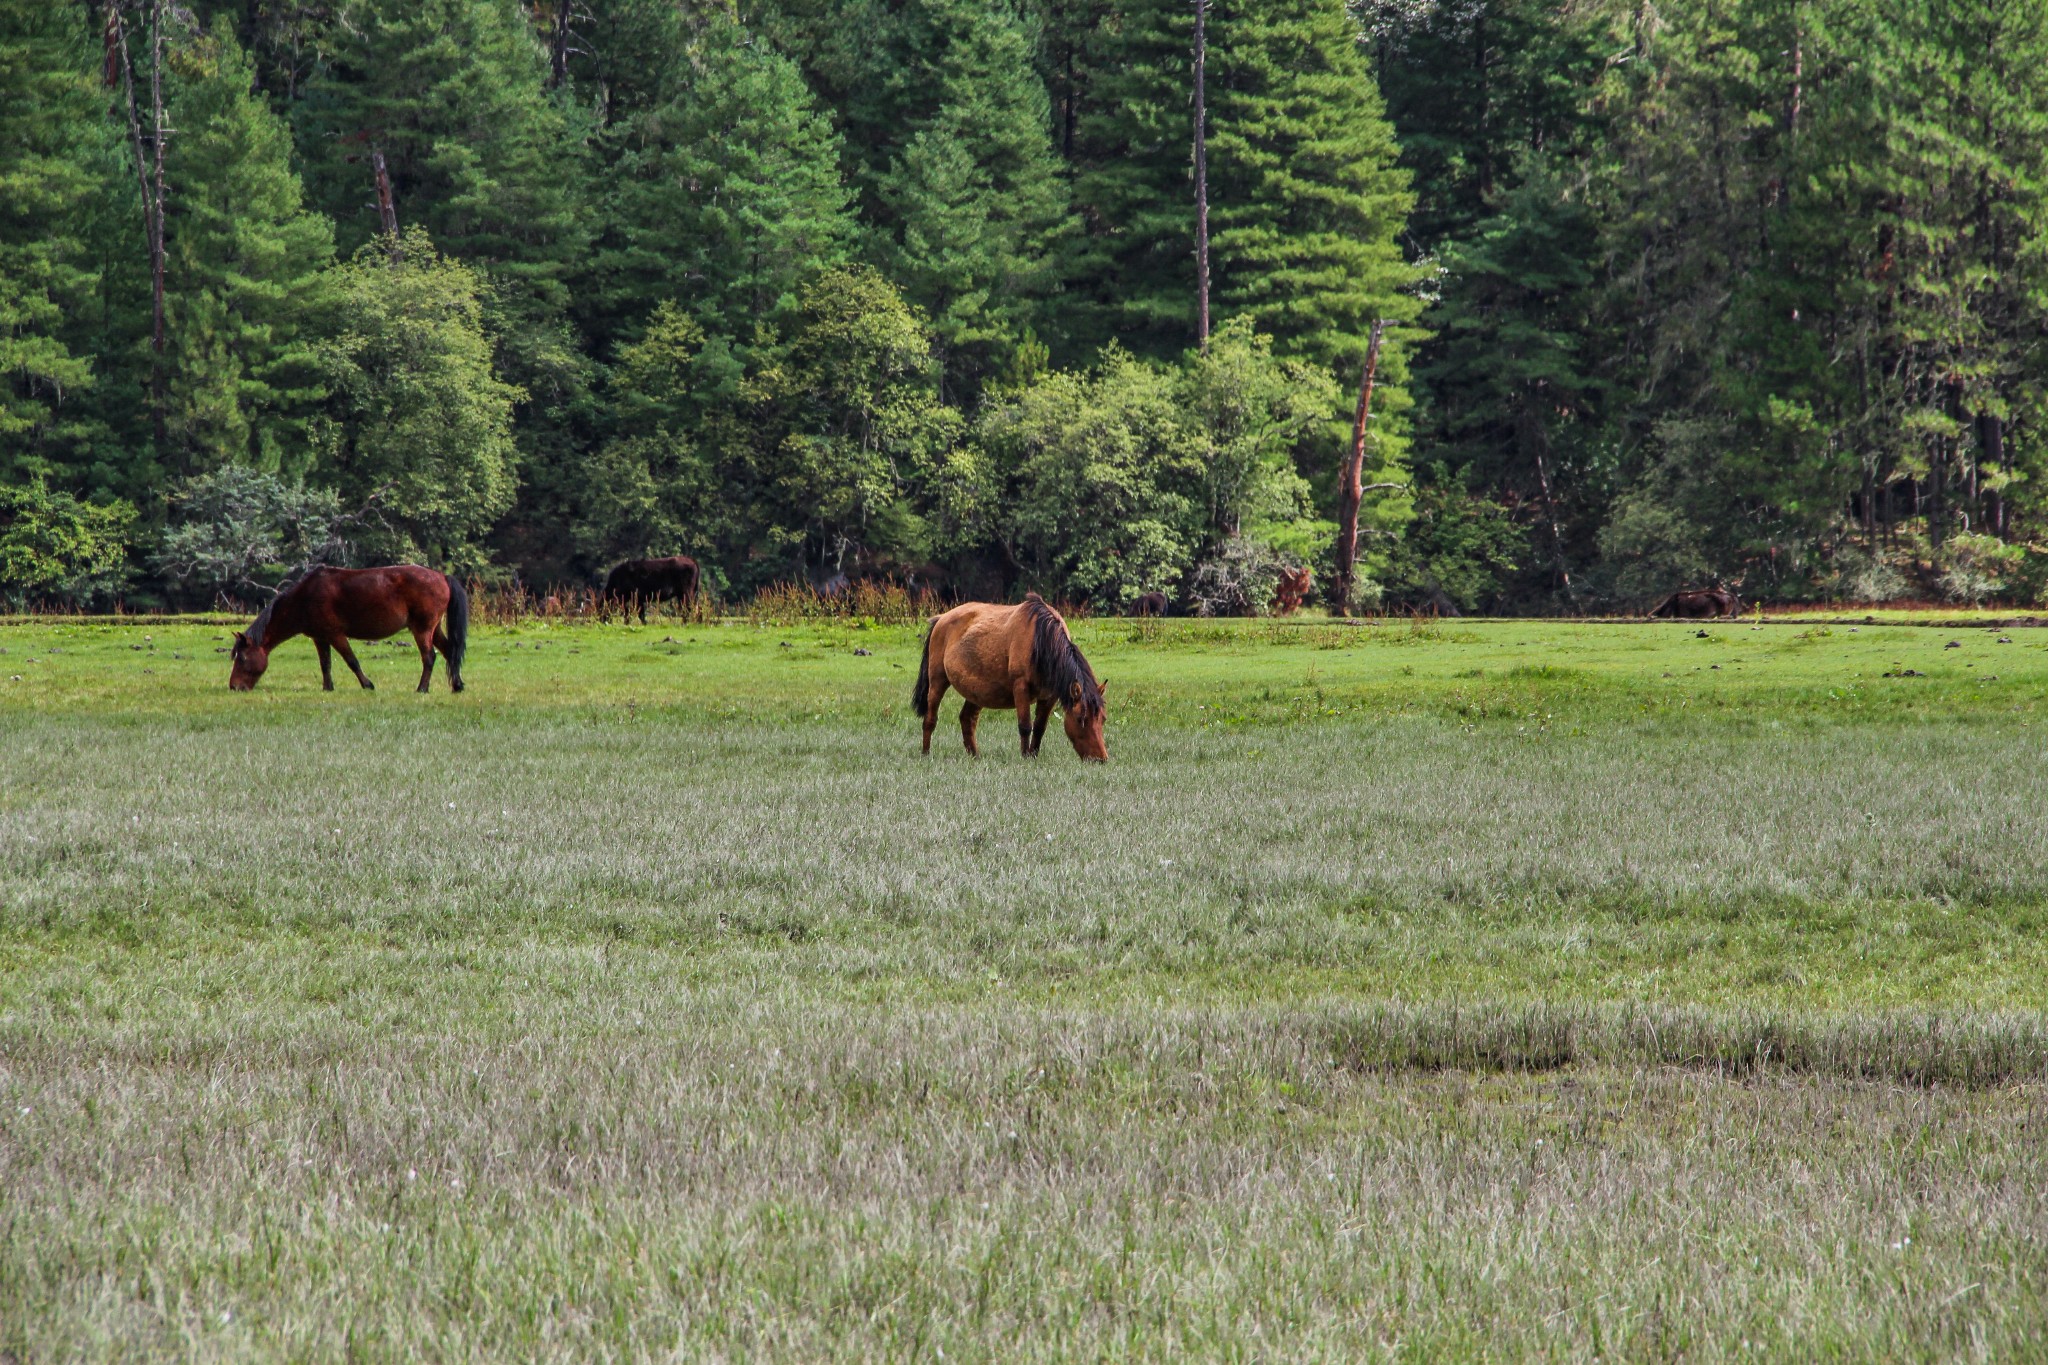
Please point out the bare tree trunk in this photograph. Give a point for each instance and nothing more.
(1798, 73)
(559, 43)
(1350, 491)
(111, 38)
(1202, 176)
(156, 235)
(1070, 107)
(151, 186)
(1991, 438)
(1870, 507)
(387, 208)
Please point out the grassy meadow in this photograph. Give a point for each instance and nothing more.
(1432, 991)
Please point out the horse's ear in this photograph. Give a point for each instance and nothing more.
(1074, 694)
(241, 638)
(1102, 684)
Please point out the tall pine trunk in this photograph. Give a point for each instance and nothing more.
(1351, 491)
(149, 181)
(1201, 177)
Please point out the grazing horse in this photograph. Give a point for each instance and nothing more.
(650, 580)
(1697, 604)
(1293, 590)
(1017, 656)
(1148, 604)
(335, 606)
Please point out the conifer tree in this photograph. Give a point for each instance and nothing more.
(1306, 200)
(56, 155)
(244, 263)
(972, 211)
(726, 197)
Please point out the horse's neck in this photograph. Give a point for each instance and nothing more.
(281, 621)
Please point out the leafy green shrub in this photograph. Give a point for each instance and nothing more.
(239, 527)
(1976, 567)
(1238, 580)
(1458, 547)
(53, 545)
(1861, 578)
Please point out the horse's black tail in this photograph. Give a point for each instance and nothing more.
(457, 629)
(924, 677)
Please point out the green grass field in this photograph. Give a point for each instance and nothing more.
(1449, 991)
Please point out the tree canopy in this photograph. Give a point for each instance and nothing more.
(1741, 291)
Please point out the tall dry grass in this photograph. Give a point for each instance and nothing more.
(789, 604)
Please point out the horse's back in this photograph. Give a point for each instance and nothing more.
(980, 648)
(370, 604)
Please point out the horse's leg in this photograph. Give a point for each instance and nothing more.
(934, 689)
(1023, 695)
(1038, 724)
(425, 640)
(348, 656)
(969, 714)
(326, 664)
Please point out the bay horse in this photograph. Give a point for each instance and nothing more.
(335, 606)
(1697, 604)
(1019, 656)
(1148, 604)
(650, 580)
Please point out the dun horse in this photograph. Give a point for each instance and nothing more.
(335, 606)
(1017, 656)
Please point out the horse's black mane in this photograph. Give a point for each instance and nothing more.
(290, 585)
(262, 622)
(1058, 662)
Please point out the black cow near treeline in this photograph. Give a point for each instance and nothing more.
(650, 580)
(1698, 604)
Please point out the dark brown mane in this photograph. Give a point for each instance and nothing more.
(1057, 660)
(292, 583)
(262, 621)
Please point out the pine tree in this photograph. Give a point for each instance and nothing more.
(726, 197)
(486, 153)
(1513, 395)
(1307, 203)
(56, 156)
(972, 211)
(243, 271)
(454, 94)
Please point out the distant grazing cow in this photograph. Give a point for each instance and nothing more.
(1148, 604)
(1293, 590)
(650, 580)
(1698, 604)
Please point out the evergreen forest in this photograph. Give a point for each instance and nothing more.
(1561, 304)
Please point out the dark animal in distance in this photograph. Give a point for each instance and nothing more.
(334, 606)
(1293, 590)
(1698, 604)
(1148, 604)
(651, 580)
(1019, 656)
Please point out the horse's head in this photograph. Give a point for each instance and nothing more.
(1082, 715)
(251, 658)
